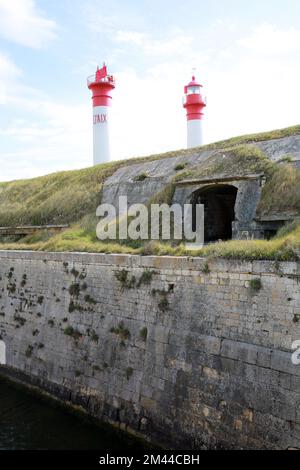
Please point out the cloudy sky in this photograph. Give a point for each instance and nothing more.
(246, 54)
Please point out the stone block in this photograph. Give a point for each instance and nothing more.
(237, 350)
(282, 362)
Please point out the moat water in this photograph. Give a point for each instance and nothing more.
(28, 422)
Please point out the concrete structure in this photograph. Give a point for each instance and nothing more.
(231, 199)
(194, 103)
(188, 352)
(101, 84)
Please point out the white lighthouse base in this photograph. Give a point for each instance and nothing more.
(194, 133)
(101, 150)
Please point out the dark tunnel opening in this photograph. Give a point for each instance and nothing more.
(219, 202)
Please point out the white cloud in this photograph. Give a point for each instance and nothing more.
(9, 73)
(267, 39)
(59, 137)
(46, 135)
(97, 22)
(20, 22)
(172, 45)
(131, 37)
(147, 116)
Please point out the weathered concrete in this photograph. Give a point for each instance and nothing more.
(184, 351)
(279, 148)
(157, 174)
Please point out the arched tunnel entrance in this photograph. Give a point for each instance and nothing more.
(219, 202)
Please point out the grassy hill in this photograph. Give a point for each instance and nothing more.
(72, 197)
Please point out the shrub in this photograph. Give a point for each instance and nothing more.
(70, 331)
(146, 277)
(121, 331)
(163, 303)
(74, 272)
(180, 166)
(89, 299)
(11, 288)
(206, 269)
(255, 284)
(75, 306)
(74, 289)
(94, 336)
(144, 333)
(140, 177)
(122, 277)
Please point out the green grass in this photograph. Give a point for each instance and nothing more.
(235, 161)
(281, 192)
(59, 198)
(140, 177)
(255, 284)
(284, 247)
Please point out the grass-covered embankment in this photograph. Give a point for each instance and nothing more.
(72, 198)
(284, 247)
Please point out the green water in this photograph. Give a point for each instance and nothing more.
(28, 422)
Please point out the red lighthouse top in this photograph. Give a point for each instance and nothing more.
(101, 84)
(192, 86)
(193, 101)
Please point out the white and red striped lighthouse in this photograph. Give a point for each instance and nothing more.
(101, 84)
(194, 103)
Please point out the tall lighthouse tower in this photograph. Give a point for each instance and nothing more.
(101, 84)
(194, 104)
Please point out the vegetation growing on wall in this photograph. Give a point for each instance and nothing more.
(73, 332)
(144, 333)
(235, 161)
(127, 282)
(121, 331)
(281, 192)
(255, 284)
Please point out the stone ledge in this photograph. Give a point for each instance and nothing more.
(160, 262)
